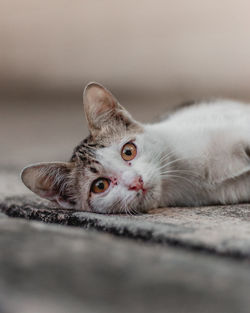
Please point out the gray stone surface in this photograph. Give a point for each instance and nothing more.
(53, 268)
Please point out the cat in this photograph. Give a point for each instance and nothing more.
(199, 155)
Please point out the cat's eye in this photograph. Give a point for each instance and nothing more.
(129, 151)
(100, 185)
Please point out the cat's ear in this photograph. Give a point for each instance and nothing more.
(51, 181)
(103, 110)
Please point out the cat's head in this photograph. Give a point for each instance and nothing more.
(113, 170)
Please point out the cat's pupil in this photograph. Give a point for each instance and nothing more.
(128, 152)
(100, 185)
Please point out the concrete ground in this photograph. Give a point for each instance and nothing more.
(170, 260)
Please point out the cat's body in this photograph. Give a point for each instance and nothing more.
(200, 155)
(212, 143)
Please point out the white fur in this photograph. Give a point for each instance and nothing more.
(211, 139)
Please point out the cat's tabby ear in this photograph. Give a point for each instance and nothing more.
(51, 181)
(103, 110)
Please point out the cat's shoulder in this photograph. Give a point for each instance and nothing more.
(212, 103)
(206, 107)
(185, 105)
(179, 107)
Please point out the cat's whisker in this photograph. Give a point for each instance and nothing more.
(133, 208)
(136, 212)
(167, 164)
(169, 155)
(188, 172)
(164, 156)
(124, 206)
(163, 159)
(129, 211)
(121, 209)
(176, 160)
(176, 176)
(167, 169)
(114, 205)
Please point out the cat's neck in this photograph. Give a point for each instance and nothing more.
(159, 138)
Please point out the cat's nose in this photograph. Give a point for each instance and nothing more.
(136, 184)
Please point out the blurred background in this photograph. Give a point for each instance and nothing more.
(151, 54)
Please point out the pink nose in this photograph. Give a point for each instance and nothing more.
(137, 184)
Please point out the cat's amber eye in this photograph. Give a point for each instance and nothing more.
(129, 151)
(100, 185)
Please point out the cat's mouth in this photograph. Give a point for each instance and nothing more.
(141, 192)
(143, 201)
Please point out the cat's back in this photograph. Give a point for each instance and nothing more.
(211, 114)
(208, 126)
(207, 118)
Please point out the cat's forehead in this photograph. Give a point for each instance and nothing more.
(86, 150)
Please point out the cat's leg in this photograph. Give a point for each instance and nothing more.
(235, 190)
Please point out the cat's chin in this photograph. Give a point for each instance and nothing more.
(142, 203)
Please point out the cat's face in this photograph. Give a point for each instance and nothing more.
(121, 178)
(114, 170)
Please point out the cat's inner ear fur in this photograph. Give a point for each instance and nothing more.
(103, 111)
(52, 181)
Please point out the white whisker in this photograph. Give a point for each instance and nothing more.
(176, 176)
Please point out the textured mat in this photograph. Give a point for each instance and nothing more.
(223, 230)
